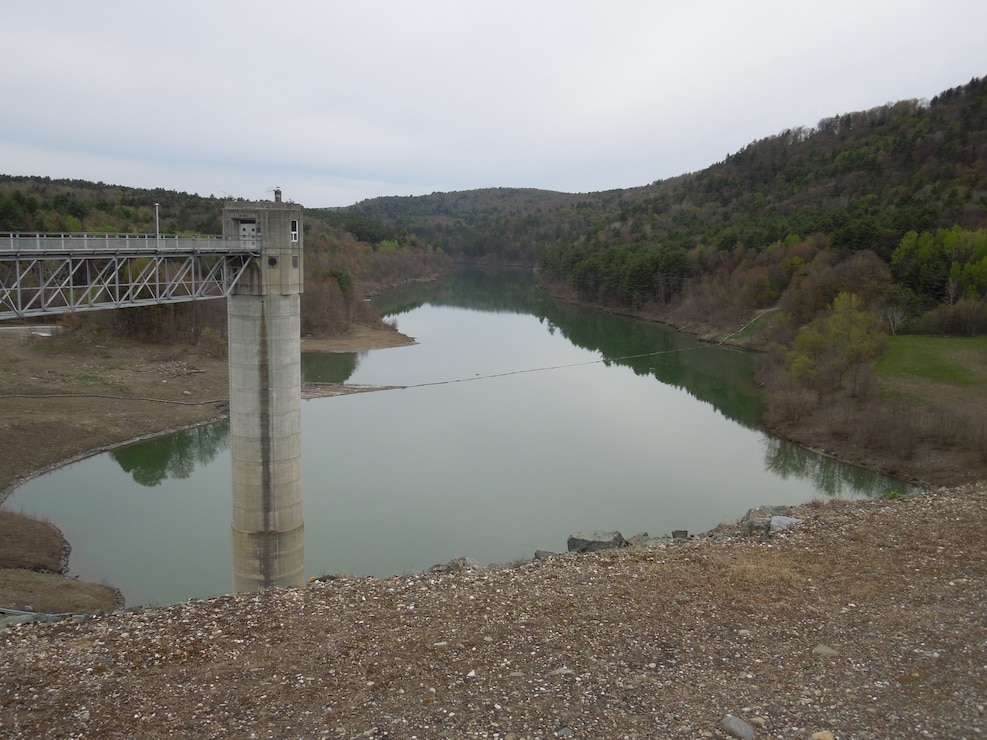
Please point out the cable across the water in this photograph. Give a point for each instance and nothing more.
(551, 367)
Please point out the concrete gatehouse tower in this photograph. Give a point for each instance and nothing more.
(265, 397)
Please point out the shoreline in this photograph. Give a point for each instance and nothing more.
(53, 417)
(12, 486)
(359, 339)
(818, 434)
(364, 339)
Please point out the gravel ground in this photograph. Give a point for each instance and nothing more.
(865, 620)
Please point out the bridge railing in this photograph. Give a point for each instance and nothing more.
(82, 243)
(43, 274)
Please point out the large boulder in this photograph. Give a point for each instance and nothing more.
(766, 520)
(595, 541)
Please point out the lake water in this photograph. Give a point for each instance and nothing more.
(521, 420)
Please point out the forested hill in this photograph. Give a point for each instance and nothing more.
(866, 178)
(53, 205)
(504, 225)
(854, 183)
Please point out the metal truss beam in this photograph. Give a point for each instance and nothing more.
(43, 274)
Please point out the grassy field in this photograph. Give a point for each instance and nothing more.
(960, 361)
(922, 417)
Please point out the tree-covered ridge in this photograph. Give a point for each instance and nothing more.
(745, 230)
(504, 225)
(796, 218)
(861, 181)
(363, 228)
(44, 204)
(866, 178)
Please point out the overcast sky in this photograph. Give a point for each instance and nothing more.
(340, 101)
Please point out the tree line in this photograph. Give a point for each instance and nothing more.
(347, 257)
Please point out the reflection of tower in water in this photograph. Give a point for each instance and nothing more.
(265, 397)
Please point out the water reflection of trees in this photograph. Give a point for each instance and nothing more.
(719, 376)
(496, 290)
(722, 377)
(330, 367)
(716, 375)
(175, 456)
(830, 476)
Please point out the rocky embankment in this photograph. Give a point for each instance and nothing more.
(862, 620)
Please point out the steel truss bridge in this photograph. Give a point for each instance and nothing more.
(43, 274)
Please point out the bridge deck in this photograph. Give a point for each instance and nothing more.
(43, 274)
